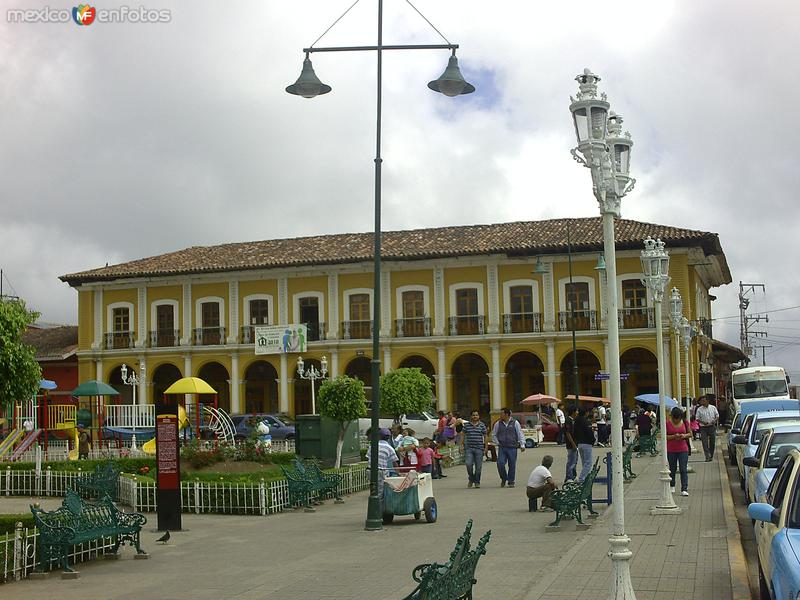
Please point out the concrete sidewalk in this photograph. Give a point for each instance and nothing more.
(328, 555)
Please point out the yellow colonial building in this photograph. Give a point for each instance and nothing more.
(467, 305)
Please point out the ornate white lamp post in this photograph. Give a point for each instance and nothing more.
(655, 267)
(676, 318)
(133, 381)
(686, 329)
(606, 152)
(312, 375)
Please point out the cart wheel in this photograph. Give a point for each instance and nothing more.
(388, 518)
(529, 443)
(417, 515)
(430, 510)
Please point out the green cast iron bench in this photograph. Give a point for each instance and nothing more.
(572, 497)
(98, 483)
(627, 471)
(308, 483)
(454, 579)
(648, 444)
(325, 484)
(78, 521)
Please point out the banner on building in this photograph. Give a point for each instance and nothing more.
(280, 339)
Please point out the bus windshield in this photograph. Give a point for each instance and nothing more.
(760, 388)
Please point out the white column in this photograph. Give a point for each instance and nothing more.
(603, 281)
(439, 325)
(186, 311)
(387, 359)
(690, 374)
(283, 393)
(604, 382)
(496, 399)
(98, 369)
(283, 301)
(441, 378)
(141, 317)
(233, 314)
(236, 404)
(141, 372)
(667, 367)
(187, 365)
(97, 302)
(549, 300)
(333, 307)
(386, 307)
(494, 299)
(552, 383)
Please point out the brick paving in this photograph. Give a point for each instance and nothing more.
(328, 555)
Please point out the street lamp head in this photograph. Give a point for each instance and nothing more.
(124, 372)
(686, 328)
(655, 267)
(451, 82)
(324, 365)
(308, 84)
(540, 268)
(300, 365)
(676, 306)
(589, 112)
(601, 263)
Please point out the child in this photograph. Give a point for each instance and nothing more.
(426, 456)
(437, 462)
(409, 444)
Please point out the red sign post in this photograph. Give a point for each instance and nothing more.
(168, 483)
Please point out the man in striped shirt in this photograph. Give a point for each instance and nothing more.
(473, 445)
(387, 457)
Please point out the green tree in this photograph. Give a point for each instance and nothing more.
(405, 391)
(343, 400)
(19, 371)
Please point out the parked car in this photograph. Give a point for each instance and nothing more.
(755, 426)
(777, 533)
(751, 406)
(279, 429)
(423, 424)
(774, 446)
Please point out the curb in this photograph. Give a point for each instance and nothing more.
(740, 585)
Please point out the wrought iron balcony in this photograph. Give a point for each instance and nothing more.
(416, 327)
(164, 338)
(209, 336)
(117, 340)
(580, 320)
(248, 334)
(636, 318)
(705, 327)
(356, 330)
(467, 325)
(522, 322)
(316, 331)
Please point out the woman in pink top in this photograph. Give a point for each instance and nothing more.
(678, 432)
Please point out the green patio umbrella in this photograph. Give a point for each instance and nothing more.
(94, 388)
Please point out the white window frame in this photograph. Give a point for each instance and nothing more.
(507, 285)
(352, 292)
(320, 296)
(562, 292)
(627, 277)
(176, 320)
(270, 308)
(454, 287)
(110, 317)
(412, 288)
(198, 311)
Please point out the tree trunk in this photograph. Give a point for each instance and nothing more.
(340, 444)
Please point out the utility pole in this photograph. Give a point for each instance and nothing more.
(745, 320)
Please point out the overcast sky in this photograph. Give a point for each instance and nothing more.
(119, 141)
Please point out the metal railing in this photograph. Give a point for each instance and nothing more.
(705, 327)
(522, 322)
(165, 338)
(209, 336)
(636, 318)
(467, 325)
(315, 331)
(356, 330)
(117, 340)
(580, 320)
(415, 327)
(138, 416)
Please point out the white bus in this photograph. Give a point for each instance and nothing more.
(758, 382)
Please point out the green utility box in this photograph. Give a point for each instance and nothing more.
(316, 437)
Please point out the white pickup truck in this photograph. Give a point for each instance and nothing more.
(423, 424)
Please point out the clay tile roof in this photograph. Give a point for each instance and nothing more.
(52, 343)
(523, 238)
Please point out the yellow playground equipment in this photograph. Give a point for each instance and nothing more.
(149, 447)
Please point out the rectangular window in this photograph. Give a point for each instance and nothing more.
(259, 312)
(467, 302)
(413, 305)
(577, 296)
(121, 320)
(210, 314)
(359, 316)
(309, 314)
(165, 318)
(634, 294)
(521, 299)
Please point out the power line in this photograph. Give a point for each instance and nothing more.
(764, 312)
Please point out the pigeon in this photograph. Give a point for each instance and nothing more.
(164, 538)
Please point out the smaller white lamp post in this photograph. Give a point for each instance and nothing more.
(312, 374)
(655, 267)
(676, 318)
(133, 381)
(688, 334)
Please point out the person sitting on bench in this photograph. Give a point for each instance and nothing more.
(541, 485)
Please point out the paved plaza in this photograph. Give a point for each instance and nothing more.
(327, 554)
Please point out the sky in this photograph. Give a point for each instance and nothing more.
(125, 140)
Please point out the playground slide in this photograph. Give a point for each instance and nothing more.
(9, 441)
(149, 447)
(73, 454)
(26, 443)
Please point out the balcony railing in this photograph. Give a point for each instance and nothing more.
(416, 327)
(705, 327)
(580, 320)
(356, 330)
(316, 331)
(209, 336)
(636, 318)
(522, 323)
(117, 340)
(165, 338)
(467, 325)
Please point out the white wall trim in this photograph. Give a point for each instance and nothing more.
(454, 287)
(562, 291)
(270, 308)
(507, 285)
(198, 311)
(412, 288)
(110, 316)
(351, 292)
(176, 323)
(320, 296)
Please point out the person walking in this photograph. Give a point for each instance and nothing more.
(678, 432)
(507, 437)
(584, 438)
(602, 425)
(708, 417)
(84, 443)
(541, 485)
(560, 421)
(473, 445)
(572, 445)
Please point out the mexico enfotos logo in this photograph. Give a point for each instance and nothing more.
(85, 14)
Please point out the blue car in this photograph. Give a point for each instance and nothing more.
(749, 407)
(777, 533)
(755, 426)
(774, 446)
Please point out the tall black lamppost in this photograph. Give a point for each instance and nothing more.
(308, 85)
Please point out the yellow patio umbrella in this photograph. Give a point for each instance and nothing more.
(190, 385)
